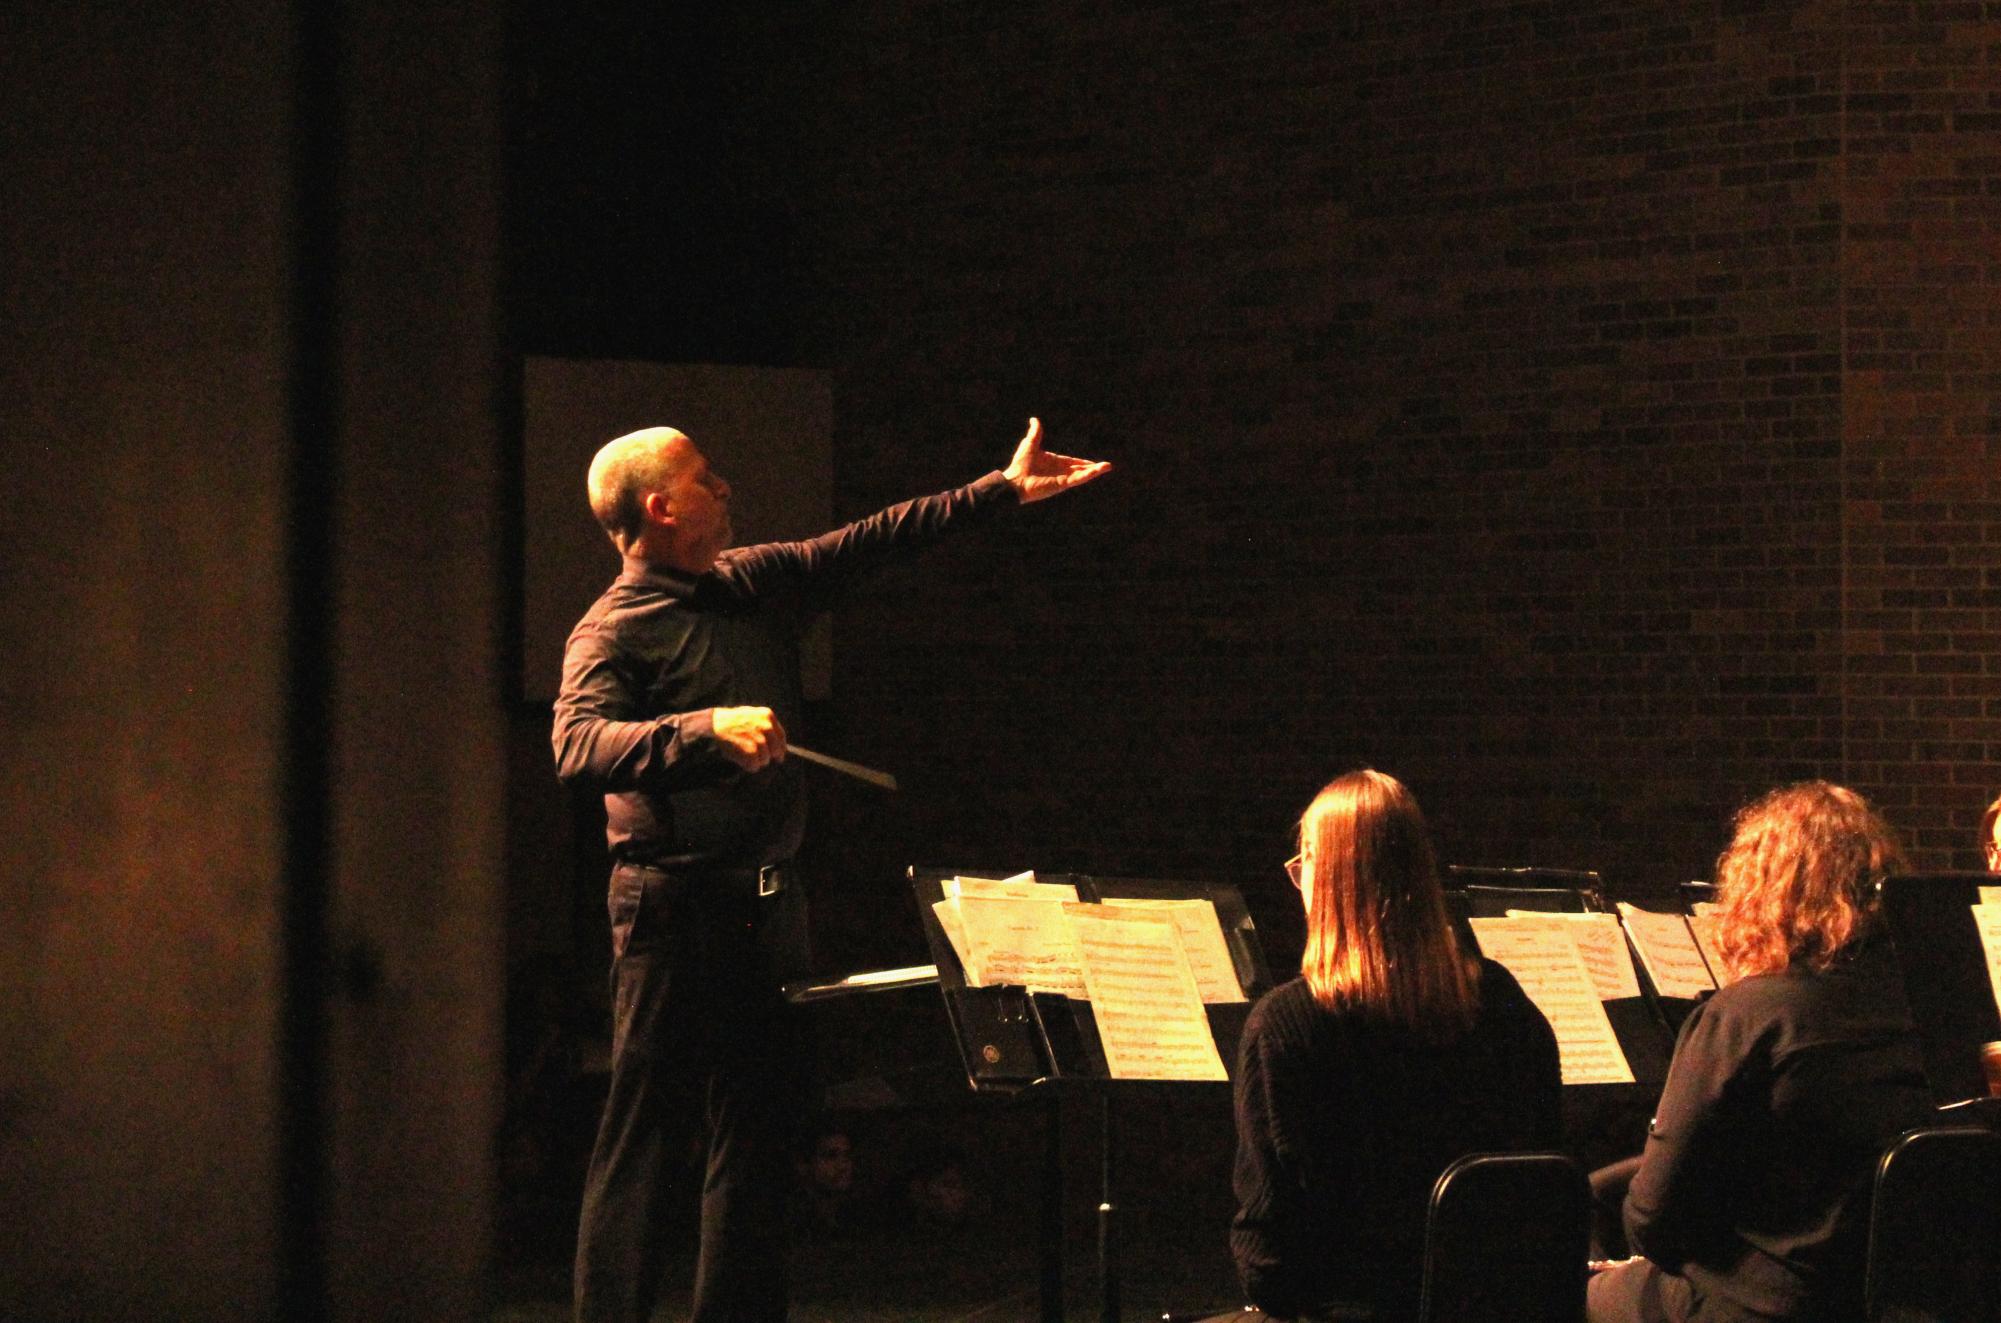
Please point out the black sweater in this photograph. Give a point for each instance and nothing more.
(1344, 1125)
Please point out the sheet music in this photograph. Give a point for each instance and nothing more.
(1552, 973)
(1987, 918)
(1990, 895)
(951, 919)
(1666, 946)
(1022, 886)
(1602, 944)
(1019, 940)
(1143, 993)
(954, 929)
(876, 978)
(1702, 924)
(1201, 932)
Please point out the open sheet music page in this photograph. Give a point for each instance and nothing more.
(1666, 946)
(1023, 942)
(1601, 943)
(1987, 918)
(1201, 937)
(1149, 1011)
(1702, 925)
(952, 920)
(1990, 895)
(954, 928)
(1553, 975)
(1019, 941)
(1022, 886)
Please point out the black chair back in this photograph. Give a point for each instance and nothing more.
(1935, 1229)
(1507, 1241)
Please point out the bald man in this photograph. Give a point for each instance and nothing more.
(678, 687)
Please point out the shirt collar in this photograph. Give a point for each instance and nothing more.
(639, 570)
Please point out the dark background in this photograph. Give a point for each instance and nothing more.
(1585, 411)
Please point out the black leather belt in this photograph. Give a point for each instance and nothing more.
(771, 879)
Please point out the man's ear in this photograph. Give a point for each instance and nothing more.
(656, 508)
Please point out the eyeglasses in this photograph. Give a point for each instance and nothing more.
(1292, 867)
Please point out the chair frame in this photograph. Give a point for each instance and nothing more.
(1971, 1155)
(1565, 1211)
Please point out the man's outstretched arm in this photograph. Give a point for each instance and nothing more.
(823, 564)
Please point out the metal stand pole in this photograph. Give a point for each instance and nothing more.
(1052, 1207)
(1108, 1243)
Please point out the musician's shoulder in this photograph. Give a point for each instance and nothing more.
(1286, 1005)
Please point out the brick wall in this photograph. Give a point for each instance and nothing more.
(1922, 676)
(1583, 410)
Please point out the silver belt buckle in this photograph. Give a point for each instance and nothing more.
(770, 879)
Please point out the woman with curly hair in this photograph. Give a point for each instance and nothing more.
(1751, 1199)
(1358, 1083)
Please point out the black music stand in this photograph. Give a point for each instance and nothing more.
(1674, 1010)
(1564, 890)
(1930, 917)
(1669, 1011)
(1012, 1041)
(1639, 1023)
(1696, 893)
(1604, 1122)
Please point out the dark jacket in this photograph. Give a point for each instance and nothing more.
(1785, 1089)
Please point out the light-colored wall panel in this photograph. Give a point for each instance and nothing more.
(767, 430)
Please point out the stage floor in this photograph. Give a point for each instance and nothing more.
(974, 1278)
(1174, 1151)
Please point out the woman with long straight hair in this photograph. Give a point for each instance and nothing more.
(1751, 1199)
(1395, 1052)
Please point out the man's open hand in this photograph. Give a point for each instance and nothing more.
(751, 736)
(1036, 473)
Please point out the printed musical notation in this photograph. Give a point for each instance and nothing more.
(1987, 918)
(1668, 949)
(1703, 925)
(1547, 964)
(1144, 996)
(1147, 966)
(1011, 930)
(1601, 945)
(1201, 938)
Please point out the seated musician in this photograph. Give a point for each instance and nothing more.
(1990, 836)
(1358, 1083)
(1751, 1200)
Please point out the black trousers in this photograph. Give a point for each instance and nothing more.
(702, 1044)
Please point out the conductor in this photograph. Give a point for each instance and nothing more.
(678, 687)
